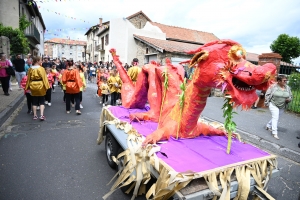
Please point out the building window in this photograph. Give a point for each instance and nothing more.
(71, 46)
(147, 50)
(102, 43)
(106, 39)
(71, 53)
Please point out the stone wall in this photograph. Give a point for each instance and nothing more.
(9, 13)
(141, 51)
(5, 45)
(139, 21)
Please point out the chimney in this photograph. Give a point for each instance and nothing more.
(100, 21)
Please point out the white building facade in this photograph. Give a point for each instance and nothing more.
(64, 48)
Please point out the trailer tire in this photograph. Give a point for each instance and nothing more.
(111, 148)
(121, 164)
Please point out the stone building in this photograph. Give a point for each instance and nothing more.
(138, 37)
(138, 20)
(98, 42)
(10, 13)
(64, 48)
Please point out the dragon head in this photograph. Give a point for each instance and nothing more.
(240, 79)
(222, 64)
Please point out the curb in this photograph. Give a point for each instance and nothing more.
(6, 113)
(266, 145)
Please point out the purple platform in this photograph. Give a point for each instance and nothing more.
(197, 154)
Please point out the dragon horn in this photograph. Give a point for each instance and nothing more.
(123, 74)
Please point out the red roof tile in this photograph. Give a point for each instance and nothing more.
(167, 45)
(184, 34)
(66, 41)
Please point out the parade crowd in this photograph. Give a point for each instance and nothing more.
(39, 78)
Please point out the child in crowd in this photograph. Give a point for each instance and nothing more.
(106, 74)
(54, 75)
(63, 86)
(28, 94)
(115, 84)
(48, 92)
(60, 71)
(104, 90)
(81, 75)
(99, 92)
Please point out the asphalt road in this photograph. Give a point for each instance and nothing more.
(59, 158)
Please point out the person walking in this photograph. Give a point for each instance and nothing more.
(38, 84)
(134, 70)
(81, 74)
(54, 75)
(46, 63)
(260, 95)
(4, 77)
(114, 82)
(104, 91)
(8, 59)
(277, 97)
(51, 82)
(28, 64)
(72, 80)
(27, 94)
(93, 73)
(19, 64)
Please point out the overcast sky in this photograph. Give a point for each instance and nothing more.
(252, 23)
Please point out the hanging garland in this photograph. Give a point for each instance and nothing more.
(33, 3)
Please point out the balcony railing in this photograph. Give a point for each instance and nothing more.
(32, 33)
(99, 47)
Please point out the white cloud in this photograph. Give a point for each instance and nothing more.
(254, 24)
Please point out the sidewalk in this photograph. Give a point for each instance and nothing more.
(10, 103)
(251, 126)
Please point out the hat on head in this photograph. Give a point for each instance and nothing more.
(135, 60)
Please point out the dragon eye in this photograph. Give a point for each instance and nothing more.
(239, 53)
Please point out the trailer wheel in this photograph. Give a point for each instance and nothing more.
(111, 147)
(121, 164)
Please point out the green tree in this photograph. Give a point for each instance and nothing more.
(288, 47)
(17, 39)
(23, 23)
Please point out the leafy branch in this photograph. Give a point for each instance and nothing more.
(230, 125)
(181, 103)
(23, 23)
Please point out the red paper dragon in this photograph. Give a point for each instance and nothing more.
(217, 64)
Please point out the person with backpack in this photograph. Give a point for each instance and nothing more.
(73, 83)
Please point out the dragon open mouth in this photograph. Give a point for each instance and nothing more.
(240, 85)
